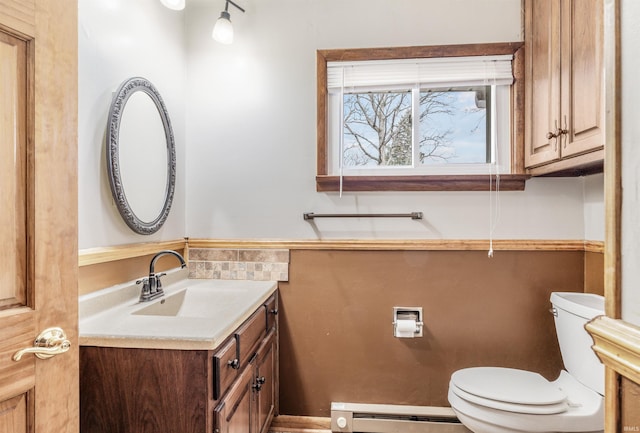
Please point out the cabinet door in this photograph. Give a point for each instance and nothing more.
(542, 75)
(266, 377)
(582, 79)
(234, 413)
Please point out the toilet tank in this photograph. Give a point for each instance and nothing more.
(571, 312)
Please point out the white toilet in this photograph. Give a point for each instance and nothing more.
(504, 400)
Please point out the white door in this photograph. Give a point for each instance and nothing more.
(38, 215)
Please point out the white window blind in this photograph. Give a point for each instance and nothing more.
(428, 72)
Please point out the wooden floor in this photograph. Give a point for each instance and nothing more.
(300, 424)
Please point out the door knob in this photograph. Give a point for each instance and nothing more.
(50, 342)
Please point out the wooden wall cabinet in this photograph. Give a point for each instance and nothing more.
(564, 115)
(233, 388)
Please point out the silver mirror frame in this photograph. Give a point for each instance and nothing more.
(124, 92)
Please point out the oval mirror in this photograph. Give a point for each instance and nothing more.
(141, 157)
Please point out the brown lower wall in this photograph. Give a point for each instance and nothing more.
(336, 333)
(629, 409)
(594, 273)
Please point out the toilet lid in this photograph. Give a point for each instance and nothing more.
(532, 409)
(508, 385)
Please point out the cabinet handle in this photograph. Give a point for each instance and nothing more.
(551, 135)
(259, 382)
(564, 131)
(234, 363)
(555, 135)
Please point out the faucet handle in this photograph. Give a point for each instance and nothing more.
(158, 283)
(146, 289)
(157, 286)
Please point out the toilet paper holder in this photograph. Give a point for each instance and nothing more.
(407, 314)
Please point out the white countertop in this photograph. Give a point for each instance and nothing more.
(215, 309)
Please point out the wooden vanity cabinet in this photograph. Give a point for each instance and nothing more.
(564, 117)
(233, 388)
(250, 404)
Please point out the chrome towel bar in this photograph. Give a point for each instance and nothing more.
(412, 215)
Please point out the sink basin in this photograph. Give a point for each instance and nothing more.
(194, 314)
(169, 306)
(194, 302)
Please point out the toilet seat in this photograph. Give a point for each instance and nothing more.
(509, 389)
(584, 408)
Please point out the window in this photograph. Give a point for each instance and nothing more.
(421, 118)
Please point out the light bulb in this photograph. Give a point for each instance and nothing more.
(223, 30)
(176, 5)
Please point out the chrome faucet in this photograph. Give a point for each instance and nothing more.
(152, 286)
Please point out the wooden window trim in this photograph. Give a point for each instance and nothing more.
(508, 182)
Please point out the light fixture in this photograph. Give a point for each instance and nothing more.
(223, 30)
(176, 5)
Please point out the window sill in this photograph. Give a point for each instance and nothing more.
(508, 182)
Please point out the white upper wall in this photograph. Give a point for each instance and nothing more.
(629, 93)
(251, 126)
(244, 119)
(120, 39)
(594, 208)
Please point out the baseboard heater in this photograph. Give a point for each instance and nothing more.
(388, 418)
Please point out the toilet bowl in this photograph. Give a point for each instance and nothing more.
(505, 400)
(517, 402)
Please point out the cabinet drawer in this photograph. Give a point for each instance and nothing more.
(272, 310)
(249, 335)
(226, 366)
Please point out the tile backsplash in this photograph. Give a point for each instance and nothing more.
(239, 264)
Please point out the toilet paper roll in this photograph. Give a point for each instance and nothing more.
(405, 328)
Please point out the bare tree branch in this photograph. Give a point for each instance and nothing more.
(379, 128)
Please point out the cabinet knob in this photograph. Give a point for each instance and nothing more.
(274, 311)
(559, 132)
(259, 382)
(234, 363)
(564, 131)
